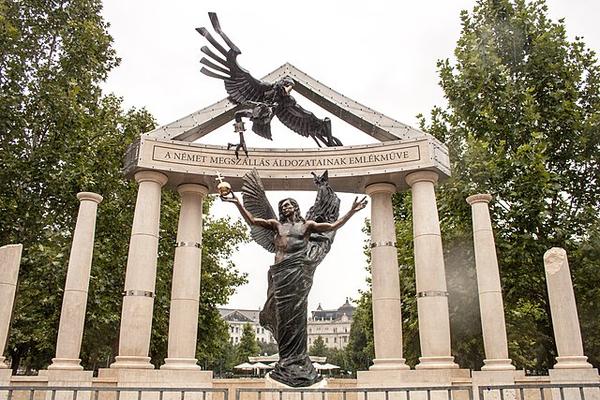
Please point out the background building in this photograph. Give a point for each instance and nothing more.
(332, 325)
(236, 319)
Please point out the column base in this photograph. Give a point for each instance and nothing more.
(574, 375)
(72, 364)
(436, 363)
(382, 364)
(498, 364)
(180, 363)
(132, 362)
(3, 364)
(572, 362)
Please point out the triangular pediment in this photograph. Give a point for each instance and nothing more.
(381, 127)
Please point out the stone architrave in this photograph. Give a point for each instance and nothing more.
(488, 284)
(72, 316)
(10, 260)
(185, 293)
(563, 309)
(387, 318)
(432, 293)
(140, 277)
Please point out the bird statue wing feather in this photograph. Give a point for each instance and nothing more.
(305, 123)
(241, 86)
(255, 201)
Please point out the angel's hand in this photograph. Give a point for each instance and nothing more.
(233, 199)
(358, 205)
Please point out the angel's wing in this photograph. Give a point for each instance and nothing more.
(255, 201)
(327, 204)
(305, 123)
(240, 85)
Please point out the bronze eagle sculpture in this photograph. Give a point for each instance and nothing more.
(259, 101)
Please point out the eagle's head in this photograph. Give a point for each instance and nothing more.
(285, 85)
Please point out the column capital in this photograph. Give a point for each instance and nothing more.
(420, 176)
(152, 176)
(96, 198)
(479, 198)
(380, 187)
(192, 188)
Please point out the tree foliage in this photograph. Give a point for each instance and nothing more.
(521, 124)
(318, 347)
(59, 135)
(248, 346)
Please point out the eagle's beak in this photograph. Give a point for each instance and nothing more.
(288, 88)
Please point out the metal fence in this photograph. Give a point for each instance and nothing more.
(397, 393)
(109, 393)
(563, 391)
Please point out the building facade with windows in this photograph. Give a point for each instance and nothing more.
(236, 319)
(332, 325)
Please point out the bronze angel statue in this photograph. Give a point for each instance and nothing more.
(299, 244)
(259, 101)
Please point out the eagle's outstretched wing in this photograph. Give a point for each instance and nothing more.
(240, 85)
(325, 209)
(255, 201)
(305, 123)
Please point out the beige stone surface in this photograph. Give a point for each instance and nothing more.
(185, 291)
(489, 288)
(351, 168)
(415, 378)
(387, 318)
(565, 320)
(140, 277)
(432, 292)
(10, 260)
(72, 316)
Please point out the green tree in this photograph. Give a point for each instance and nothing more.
(521, 124)
(318, 347)
(360, 350)
(248, 347)
(267, 348)
(59, 135)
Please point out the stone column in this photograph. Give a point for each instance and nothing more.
(10, 260)
(387, 319)
(432, 292)
(185, 293)
(489, 288)
(565, 321)
(72, 316)
(140, 277)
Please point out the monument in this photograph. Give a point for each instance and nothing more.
(299, 244)
(404, 159)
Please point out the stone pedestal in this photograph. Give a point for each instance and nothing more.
(140, 278)
(417, 378)
(575, 375)
(185, 293)
(64, 377)
(72, 316)
(563, 309)
(491, 378)
(387, 318)
(489, 288)
(10, 260)
(432, 292)
(5, 375)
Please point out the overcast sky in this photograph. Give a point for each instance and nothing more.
(379, 53)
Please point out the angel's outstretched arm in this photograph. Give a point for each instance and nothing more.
(248, 217)
(357, 205)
